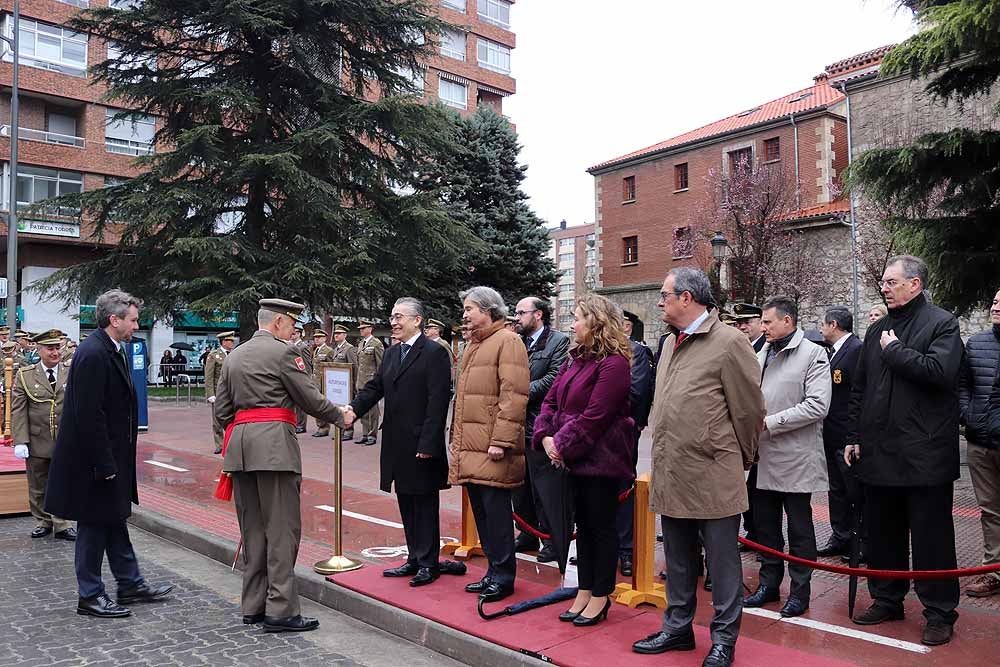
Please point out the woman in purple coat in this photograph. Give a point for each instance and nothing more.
(585, 425)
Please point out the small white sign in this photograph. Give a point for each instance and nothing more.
(49, 227)
(337, 385)
(3, 288)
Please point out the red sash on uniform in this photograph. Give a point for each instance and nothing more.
(224, 491)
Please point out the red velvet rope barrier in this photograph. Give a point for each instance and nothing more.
(531, 530)
(876, 574)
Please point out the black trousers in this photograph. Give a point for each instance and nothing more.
(839, 495)
(596, 500)
(921, 515)
(421, 526)
(492, 506)
(526, 501)
(767, 510)
(625, 518)
(748, 522)
(93, 540)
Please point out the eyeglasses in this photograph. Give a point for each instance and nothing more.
(524, 312)
(665, 295)
(891, 282)
(398, 317)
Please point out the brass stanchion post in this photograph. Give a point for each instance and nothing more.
(642, 590)
(468, 544)
(338, 562)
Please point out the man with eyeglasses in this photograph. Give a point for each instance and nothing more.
(547, 350)
(903, 437)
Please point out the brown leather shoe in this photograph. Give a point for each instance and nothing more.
(936, 634)
(876, 614)
(983, 587)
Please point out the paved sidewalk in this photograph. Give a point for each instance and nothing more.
(200, 624)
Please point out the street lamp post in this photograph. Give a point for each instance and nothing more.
(720, 248)
(12, 41)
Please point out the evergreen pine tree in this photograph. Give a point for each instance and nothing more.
(943, 187)
(289, 129)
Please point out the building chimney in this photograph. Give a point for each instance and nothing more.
(562, 224)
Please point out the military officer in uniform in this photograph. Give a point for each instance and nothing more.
(35, 410)
(213, 370)
(433, 331)
(748, 321)
(69, 350)
(370, 351)
(23, 352)
(344, 353)
(321, 352)
(305, 351)
(4, 335)
(262, 381)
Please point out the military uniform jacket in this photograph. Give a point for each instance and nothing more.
(265, 372)
(36, 408)
(369, 359)
(213, 370)
(345, 353)
(322, 353)
(303, 350)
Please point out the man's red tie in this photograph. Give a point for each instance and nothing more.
(680, 339)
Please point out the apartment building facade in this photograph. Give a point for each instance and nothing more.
(70, 140)
(573, 251)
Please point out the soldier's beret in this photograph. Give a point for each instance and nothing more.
(50, 337)
(227, 335)
(282, 307)
(436, 323)
(339, 328)
(746, 311)
(319, 333)
(365, 323)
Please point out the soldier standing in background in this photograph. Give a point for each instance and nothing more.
(213, 371)
(321, 352)
(344, 353)
(370, 351)
(305, 351)
(36, 407)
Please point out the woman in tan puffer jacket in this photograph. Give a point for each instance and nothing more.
(487, 432)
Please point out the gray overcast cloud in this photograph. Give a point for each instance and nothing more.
(599, 79)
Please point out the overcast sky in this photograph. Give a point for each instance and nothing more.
(600, 78)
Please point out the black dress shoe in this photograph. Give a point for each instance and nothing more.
(794, 607)
(347, 435)
(368, 442)
(299, 431)
(405, 570)
(720, 656)
(547, 554)
(833, 548)
(144, 593)
(937, 633)
(101, 606)
(876, 614)
(41, 531)
(321, 434)
(477, 586)
(217, 450)
(290, 624)
(626, 566)
(526, 542)
(452, 567)
(253, 619)
(424, 576)
(661, 642)
(69, 535)
(495, 592)
(582, 621)
(761, 596)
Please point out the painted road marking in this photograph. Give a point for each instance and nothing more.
(166, 465)
(363, 517)
(839, 630)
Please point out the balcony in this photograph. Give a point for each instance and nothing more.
(127, 147)
(29, 134)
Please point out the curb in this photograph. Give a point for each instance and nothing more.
(448, 641)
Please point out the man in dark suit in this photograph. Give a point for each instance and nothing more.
(547, 351)
(415, 381)
(92, 475)
(837, 328)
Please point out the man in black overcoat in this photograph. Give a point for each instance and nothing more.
(92, 476)
(414, 378)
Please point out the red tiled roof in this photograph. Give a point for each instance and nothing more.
(820, 210)
(853, 65)
(818, 96)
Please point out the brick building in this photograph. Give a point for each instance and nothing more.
(649, 203)
(69, 141)
(573, 252)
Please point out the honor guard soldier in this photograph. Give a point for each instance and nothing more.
(433, 331)
(4, 335)
(370, 351)
(321, 352)
(262, 381)
(344, 353)
(69, 350)
(213, 370)
(748, 321)
(305, 351)
(36, 407)
(23, 352)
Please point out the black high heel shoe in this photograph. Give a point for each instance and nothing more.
(568, 616)
(582, 621)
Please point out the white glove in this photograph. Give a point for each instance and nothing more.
(21, 451)
(211, 399)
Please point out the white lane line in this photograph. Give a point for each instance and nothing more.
(167, 466)
(363, 517)
(839, 630)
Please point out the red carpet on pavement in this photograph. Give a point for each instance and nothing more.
(539, 630)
